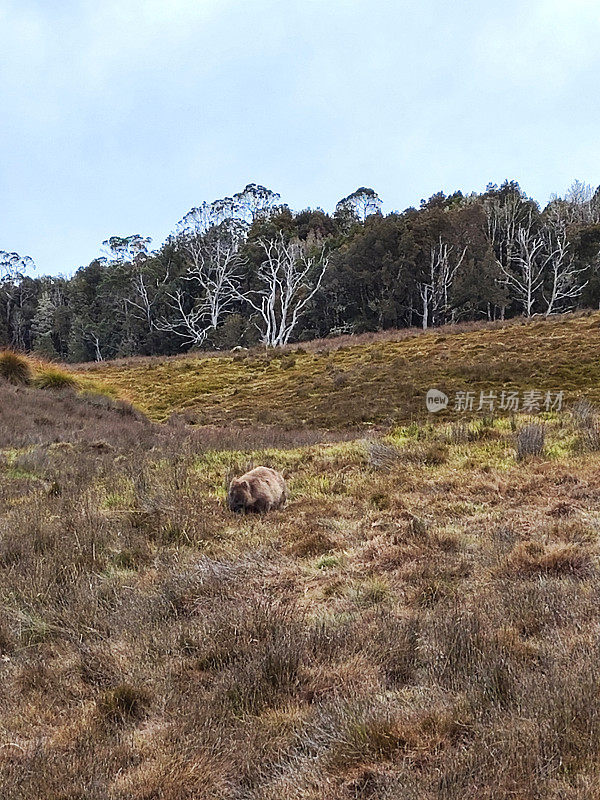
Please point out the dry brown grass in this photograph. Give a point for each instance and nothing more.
(533, 558)
(353, 381)
(421, 621)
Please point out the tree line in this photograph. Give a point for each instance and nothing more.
(247, 269)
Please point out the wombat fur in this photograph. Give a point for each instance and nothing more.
(259, 490)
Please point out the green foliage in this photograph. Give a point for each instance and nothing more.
(455, 258)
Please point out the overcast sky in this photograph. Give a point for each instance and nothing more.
(118, 116)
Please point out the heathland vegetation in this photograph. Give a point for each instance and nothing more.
(246, 269)
(420, 621)
(374, 378)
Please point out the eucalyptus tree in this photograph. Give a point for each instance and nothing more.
(288, 278)
(444, 262)
(19, 297)
(14, 266)
(359, 204)
(126, 248)
(213, 276)
(253, 202)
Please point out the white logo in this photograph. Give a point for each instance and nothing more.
(435, 400)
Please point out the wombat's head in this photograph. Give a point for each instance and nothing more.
(239, 497)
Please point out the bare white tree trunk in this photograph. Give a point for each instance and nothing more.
(564, 281)
(524, 271)
(290, 278)
(424, 290)
(435, 291)
(143, 304)
(504, 218)
(214, 268)
(96, 343)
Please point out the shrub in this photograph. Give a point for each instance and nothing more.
(386, 457)
(531, 441)
(54, 378)
(585, 417)
(589, 438)
(15, 368)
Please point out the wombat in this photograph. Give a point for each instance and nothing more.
(259, 491)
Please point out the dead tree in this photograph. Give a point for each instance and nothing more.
(214, 268)
(562, 275)
(435, 290)
(290, 277)
(146, 293)
(523, 269)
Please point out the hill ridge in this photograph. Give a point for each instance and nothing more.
(349, 384)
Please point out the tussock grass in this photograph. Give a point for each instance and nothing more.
(124, 702)
(15, 368)
(51, 377)
(530, 441)
(22, 370)
(533, 558)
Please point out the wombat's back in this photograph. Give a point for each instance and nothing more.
(260, 490)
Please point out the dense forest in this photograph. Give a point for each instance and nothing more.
(246, 269)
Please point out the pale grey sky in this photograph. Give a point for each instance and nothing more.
(118, 116)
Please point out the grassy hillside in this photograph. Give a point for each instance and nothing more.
(333, 385)
(421, 621)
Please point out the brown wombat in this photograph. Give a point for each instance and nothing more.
(259, 490)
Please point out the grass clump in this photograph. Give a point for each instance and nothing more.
(328, 562)
(124, 702)
(585, 418)
(383, 456)
(560, 560)
(15, 368)
(50, 377)
(584, 413)
(531, 441)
